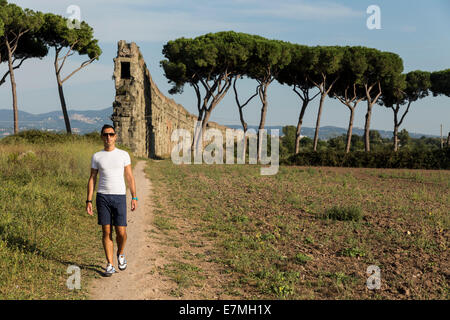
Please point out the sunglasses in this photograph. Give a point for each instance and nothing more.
(111, 134)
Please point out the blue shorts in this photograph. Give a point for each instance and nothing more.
(112, 209)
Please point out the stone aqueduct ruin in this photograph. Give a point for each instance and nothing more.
(143, 117)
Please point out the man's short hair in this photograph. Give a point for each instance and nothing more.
(106, 126)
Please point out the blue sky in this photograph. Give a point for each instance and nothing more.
(416, 30)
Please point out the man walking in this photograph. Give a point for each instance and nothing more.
(112, 164)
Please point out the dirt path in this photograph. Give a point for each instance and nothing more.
(140, 280)
(163, 263)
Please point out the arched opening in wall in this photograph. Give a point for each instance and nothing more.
(125, 70)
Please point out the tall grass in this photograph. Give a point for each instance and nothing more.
(43, 224)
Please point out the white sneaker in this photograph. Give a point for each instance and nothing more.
(109, 270)
(122, 262)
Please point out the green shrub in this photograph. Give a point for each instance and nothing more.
(408, 159)
(353, 252)
(46, 137)
(301, 258)
(350, 213)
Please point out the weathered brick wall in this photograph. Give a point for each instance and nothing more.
(143, 117)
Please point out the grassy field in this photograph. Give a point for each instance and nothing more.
(305, 233)
(43, 224)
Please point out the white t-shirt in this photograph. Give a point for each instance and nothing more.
(110, 166)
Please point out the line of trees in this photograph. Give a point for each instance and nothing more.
(26, 34)
(213, 62)
(378, 143)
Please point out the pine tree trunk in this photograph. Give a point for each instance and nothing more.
(396, 138)
(244, 127)
(367, 127)
(396, 125)
(205, 113)
(61, 92)
(204, 125)
(64, 107)
(244, 152)
(350, 129)
(197, 133)
(263, 120)
(13, 88)
(316, 134)
(299, 126)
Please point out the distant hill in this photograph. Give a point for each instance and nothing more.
(85, 121)
(82, 122)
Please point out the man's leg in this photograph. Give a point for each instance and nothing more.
(120, 222)
(108, 243)
(121, 238)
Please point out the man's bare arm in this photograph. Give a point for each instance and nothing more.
(130, 180)
(90, 190)
(132, 185)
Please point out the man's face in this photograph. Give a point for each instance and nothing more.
(109, 137)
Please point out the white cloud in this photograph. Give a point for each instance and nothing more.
(140, 20)
(160, 20)
(151, 26)
(306, 11)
